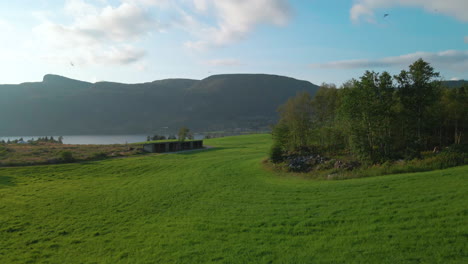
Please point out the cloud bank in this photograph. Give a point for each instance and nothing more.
(453, 59)
(98, 32)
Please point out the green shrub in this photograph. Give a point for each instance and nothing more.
(456, 148)
(3, 151)
(450, 157)
(276, 154)
(66, 156)
(98, 155)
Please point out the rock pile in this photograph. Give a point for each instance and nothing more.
(305, 163)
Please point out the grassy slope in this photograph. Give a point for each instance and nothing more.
(219, 205)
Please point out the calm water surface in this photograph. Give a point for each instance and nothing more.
(95, 139)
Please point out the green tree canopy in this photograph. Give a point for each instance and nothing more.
(183, 133)
(296, 117)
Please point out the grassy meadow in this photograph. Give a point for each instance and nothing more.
(222, 206)
(51, 153)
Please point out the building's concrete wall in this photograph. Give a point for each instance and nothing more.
(172, 146)
(148, 148)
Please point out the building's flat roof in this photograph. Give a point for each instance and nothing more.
(169, 141)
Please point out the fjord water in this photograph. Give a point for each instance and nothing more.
(95, 139)
(90, 139)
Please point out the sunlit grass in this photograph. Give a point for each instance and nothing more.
(220, 205)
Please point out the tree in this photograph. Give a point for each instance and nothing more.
(455, 102)
(183, 133)
(280, 134)
(66, 156)
(296, 117)
(418, 90)
(325, 104)
(367, 113)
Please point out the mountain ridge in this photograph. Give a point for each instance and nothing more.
(63, 106)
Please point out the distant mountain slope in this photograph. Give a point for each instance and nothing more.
(64, 106)
(454, 84)
(241, 100)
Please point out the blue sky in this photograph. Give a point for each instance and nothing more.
(144, 40)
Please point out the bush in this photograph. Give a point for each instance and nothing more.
(276, 154)
(451, 159)
(3, 151)
(98, 155)
(66, 156)
(456, 148)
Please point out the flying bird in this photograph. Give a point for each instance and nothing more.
(71, 63)
(386, 15)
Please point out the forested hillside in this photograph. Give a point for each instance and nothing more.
(63, 106)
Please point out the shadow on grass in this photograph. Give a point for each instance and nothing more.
(6, 181)
(190, 152)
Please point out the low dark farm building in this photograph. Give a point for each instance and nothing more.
(171, 146)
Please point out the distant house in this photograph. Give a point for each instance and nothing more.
(172, 146)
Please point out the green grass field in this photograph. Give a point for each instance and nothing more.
(221, 206)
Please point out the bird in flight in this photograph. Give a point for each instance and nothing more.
(386, 15)
(71, 63)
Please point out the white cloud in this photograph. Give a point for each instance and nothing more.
(365, 9)
(104, 33)
(148, 3)
(119, 55)
(100, 35)
(237, 18)
(127, 21)
(223, 62)
(453, 59)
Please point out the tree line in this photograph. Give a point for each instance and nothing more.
(45, 139)
(376, 118)
(184, 133)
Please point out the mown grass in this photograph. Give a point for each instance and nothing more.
(222, 206)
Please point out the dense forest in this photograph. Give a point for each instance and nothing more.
(376, 119)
